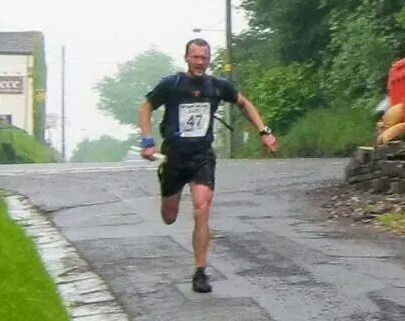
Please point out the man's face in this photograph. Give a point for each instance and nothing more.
(198, 59)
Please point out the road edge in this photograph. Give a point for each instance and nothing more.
(84, 293)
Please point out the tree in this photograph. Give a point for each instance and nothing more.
(300, 55)
(294, 91)
(297, 28)
(121, 94)
(365, 42)
(350, 44)
(105, 149)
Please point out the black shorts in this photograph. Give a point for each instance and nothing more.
(181, 169)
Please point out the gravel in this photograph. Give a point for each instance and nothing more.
(344, 202)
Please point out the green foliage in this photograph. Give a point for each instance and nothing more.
(283, 94)
(39, 87)
(251, 149)
(329, 133)
(254, 55)
(361, 51)
(16, 146)
(26, 290)
(401, 18)
(121, 94)
(297, 28)
(105, 149)
(329, 55)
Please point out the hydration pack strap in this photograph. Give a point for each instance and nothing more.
(223, 122)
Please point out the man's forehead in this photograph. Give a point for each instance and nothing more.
(195, 48)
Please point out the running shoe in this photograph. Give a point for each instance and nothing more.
(200, 282)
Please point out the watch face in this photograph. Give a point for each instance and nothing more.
(265, 131)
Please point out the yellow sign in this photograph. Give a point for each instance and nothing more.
(227, 68)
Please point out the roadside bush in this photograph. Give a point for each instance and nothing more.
(284, 94)
(334, 132)
(16, 146)
(104, 149)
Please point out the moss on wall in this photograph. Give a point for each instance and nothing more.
(39, 88)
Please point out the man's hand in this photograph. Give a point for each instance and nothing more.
(270, 142)
(148, 153)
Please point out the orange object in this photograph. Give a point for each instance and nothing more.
(392, 116)
(396, 84)
(393, 133)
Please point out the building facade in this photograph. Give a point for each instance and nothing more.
(22, 81)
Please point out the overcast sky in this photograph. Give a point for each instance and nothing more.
(99, 35)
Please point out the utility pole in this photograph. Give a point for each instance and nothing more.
(229, 72)
(62, 101)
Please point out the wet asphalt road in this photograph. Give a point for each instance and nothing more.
(270, 257)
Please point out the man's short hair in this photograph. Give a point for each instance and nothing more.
(198, 42)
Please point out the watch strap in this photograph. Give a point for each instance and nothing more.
(148, 142)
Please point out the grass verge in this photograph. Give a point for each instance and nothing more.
(394, 222)
(325, 132)
(16, 146)
(329, 133)
(26, 290)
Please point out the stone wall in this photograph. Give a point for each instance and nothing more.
(379, 169)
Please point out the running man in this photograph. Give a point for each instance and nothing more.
(191, 100)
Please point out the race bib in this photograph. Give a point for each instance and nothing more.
(194, 119)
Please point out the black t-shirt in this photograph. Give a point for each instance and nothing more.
(187, 124)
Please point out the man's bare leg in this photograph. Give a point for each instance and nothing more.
(170, 208)
(202, 198)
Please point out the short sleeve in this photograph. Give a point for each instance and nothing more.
(228, 92)
(160, 94)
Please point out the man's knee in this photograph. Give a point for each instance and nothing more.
(169, 212)
(202, 211)
(202, 206)
(170, 208)
(169, 217)
(169, 220)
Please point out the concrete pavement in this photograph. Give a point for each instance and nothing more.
(270, 259)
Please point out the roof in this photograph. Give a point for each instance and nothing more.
(20, 43)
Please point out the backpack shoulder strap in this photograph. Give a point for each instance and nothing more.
(211, 87)
(176, 81)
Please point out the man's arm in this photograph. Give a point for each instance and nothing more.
(145, 119)
(251, 114)
(145, 123)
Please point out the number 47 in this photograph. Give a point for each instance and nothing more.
(194, 120)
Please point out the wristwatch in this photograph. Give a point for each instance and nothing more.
(265, 131)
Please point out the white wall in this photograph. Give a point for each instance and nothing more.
(19, 106)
